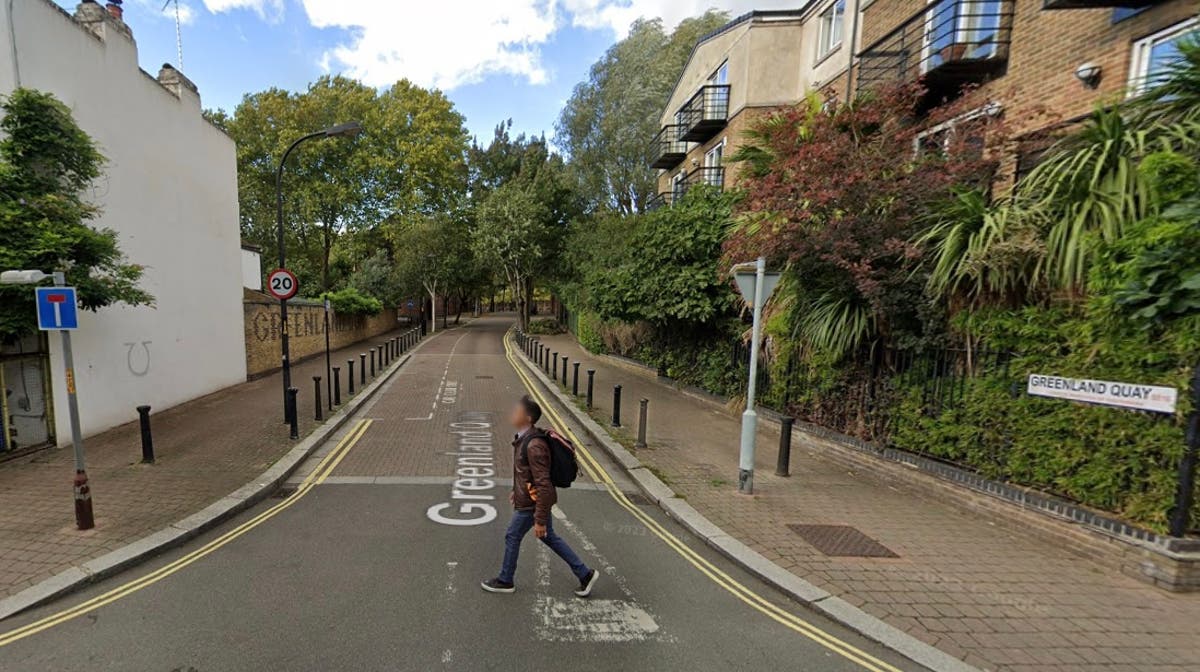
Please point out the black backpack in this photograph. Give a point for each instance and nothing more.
(563, 466)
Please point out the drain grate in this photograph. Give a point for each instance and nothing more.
(484, 377)
(842, 541)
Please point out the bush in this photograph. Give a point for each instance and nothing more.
(546, 326)
(589, 333)
(350, 301)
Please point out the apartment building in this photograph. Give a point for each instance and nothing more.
(1041, 64)
(754, 64)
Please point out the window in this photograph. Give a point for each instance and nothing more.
(714, 156)
(1152, 56)
(831, 21)
(937, 140)
(677, 184)
(721, 76)
(957, 30)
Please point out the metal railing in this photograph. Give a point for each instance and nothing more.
(704, 113)
(949, 42)
(713, 176)
(667, 150)
(660, 200)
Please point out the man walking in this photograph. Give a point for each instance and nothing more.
(532, 497)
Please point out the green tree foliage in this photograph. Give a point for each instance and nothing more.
(434, 256)
(46, 163)
(608, 123)
(409, 160)
(350, 301)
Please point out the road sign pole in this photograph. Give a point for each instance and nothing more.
(750, 417)
(84, 519)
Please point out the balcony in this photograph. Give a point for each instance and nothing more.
(948, 45)
(713, 176)
(668, 149)
(705, 114)
(658, 201)
(1093, 4)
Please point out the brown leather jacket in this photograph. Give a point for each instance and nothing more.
(532, 488)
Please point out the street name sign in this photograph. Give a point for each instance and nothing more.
(282, 284)
(1105, 392)
(56, 308)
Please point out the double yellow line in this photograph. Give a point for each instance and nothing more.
(756, 601)
(318, 475)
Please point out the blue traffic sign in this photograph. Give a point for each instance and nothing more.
(56, 308)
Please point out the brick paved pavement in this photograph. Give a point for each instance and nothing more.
(991, 595)
(204, 450)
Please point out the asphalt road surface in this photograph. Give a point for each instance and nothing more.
(371, 559)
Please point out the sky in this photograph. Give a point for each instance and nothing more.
(495, 59)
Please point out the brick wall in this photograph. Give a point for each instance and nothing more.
(306, 322)
(1039, 87)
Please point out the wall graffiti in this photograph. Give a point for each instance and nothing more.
(138, 358)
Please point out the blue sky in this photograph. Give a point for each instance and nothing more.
(495, 59)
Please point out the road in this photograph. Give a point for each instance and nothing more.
(347, 568)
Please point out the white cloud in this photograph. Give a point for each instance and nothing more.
(450, 43)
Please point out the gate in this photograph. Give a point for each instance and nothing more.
(26, 409)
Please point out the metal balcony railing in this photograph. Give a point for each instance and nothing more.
(714, 176)
(658, 201)
(704, 114)
(949, 44)
(667, 149)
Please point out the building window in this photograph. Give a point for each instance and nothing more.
(721, 76)
(1153, 55)
(678, 185)
(831, 21)
(937, 140)
(713, 158)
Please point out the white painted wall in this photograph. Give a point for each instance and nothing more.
(252, 277)
(170, 190)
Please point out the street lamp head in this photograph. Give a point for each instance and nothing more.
(22, 277)
(346, 130)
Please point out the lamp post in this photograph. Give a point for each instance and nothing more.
(84, 518)
(348, 130)
(756, 287)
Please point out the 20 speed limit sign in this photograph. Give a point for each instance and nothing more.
(281, 284)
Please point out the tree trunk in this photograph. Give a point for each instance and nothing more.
(433, 309)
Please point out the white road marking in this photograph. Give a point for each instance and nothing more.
(591, 620)
(447, 656)
(593, 552)
(450, 567)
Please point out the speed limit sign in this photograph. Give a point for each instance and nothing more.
(281, 284)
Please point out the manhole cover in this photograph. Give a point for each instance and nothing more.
(842, 541)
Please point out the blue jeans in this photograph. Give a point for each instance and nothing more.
(522, 522)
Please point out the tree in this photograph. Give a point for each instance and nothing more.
(409, 160)
(46, 162)
(608, 123)
(837, 198)
(436, 256)
(511, 233)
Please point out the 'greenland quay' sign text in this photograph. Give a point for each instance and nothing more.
(1107, 392)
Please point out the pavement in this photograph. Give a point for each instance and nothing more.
(205, 449)
(370, 559)
(996, 597)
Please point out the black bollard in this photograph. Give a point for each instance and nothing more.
(372, 362)
(564, 370)
(555, 374)
(147, 439)
(575, 380)
(294, 422)
(782, 464)
(591, 379)
(350, 377)
(337, 386)
(383, 356)
(317, 395)
(641, 440)
(616, 419)
(362, 369)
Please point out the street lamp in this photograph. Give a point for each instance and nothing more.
(756, 287)
(84, 519)
(347, 130)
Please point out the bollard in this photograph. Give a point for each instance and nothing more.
(383, 356)
(591, 379)
(294, 422)
(317, 395)
(641, 440)
(555, 373)
(337, 386)
(147, 439)
(616, 419)
(372, 362)
(350, 377)
(362, 369)
(575, 380)
(564, 370)
(782, 463)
